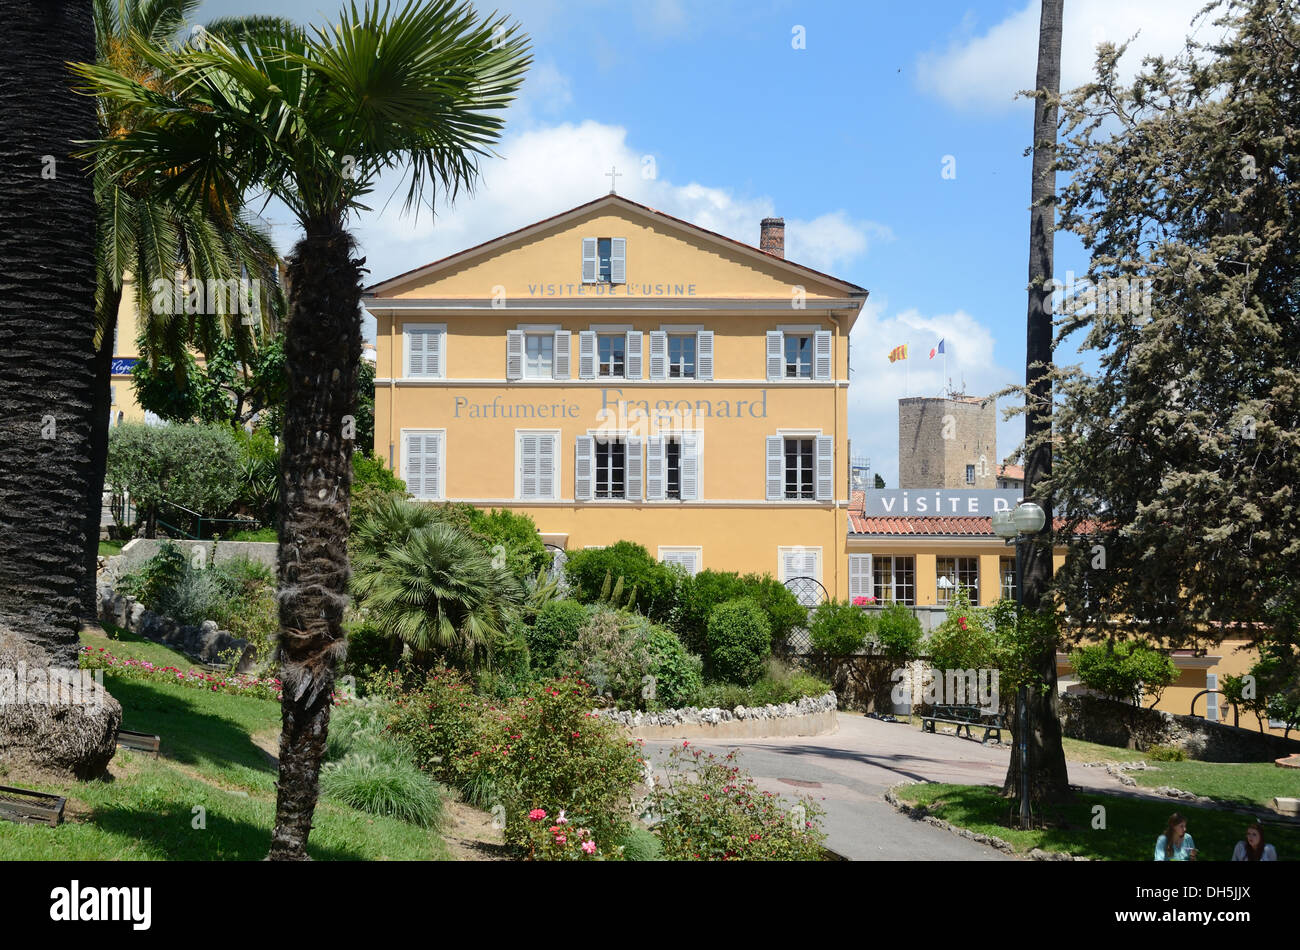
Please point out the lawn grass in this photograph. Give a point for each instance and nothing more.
(210, 767)
(110, 548)
(124, 644)
(1251, 784)
(1131, 824)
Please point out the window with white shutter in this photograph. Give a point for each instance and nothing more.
(689, 464)
(825, 468)
(562, 349)
(658, 354)
(775, 355)
(860, 580)
(587, 354)
(632, 490)
(514, 354)
(423, 463)
(1212, 698)
(423, 346)
(584, 468)
(775, 468)
(704, 354)
(633, 369)
(618, 261)
(655, 469)
(689, 558)
(822, 354)
(604, 260)
(801, 562)
(536, 458)
(589, 260)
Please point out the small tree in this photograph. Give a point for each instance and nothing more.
(839, 629)
(1124, 671)
(899, 633)
(739, 641)
(187, 465)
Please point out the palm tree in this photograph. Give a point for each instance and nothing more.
(314, 119)
(152, 237)
(1047, 767)
(429, 584)
(47, 305)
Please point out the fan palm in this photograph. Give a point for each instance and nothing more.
(313, 119)
(150, 237)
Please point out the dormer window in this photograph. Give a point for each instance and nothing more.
(604, 260)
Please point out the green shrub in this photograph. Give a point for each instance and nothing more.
(1166, 753)
(651, 587)
(701, 593)
(555, 630)
(710, 810)
(1126, 671)
(641, 845)
(966, 640)
(369, 649)
(361, 726)
(610, 654)
(676, 678)
(898, 632)
(513, 536)
(838, 628)
(738, 640)
(187, 465)
(372, 480)
(780, 684)
(155, 576)
(378, 786)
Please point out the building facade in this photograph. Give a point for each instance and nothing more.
(620, 374)
(947, 442)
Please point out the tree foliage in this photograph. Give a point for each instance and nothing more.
(187, 465)
(1125, 671)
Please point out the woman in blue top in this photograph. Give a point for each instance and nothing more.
(1175, 844)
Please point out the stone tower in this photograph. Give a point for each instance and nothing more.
(947, 442)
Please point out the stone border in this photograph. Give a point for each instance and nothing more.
(203, 644)
(921, 813)
(809, 716)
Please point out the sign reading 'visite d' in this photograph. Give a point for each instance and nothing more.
(884, 502)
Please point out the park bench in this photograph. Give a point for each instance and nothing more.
(964, 717)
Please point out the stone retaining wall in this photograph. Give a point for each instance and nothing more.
(810, 716)
(1105, 721)
(204, 643)
(138, 550)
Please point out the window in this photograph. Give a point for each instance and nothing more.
(859, 576)
(954, 572)
(681, 356)
(799, 468)
(1212, 698)
(539, 355)
(423, 462)
(604, 260)
(1007, 568)
(798, 356)
(685, 557)
(536, 461)
(611, 468)
(423, 346)
(798, 353)
(607, 467)
(895, 580)
(611, 354)
(802, 562)
(970, 474)
(673, 467)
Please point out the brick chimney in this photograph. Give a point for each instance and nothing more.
(771, 236)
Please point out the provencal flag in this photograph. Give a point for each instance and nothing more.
(898, 353)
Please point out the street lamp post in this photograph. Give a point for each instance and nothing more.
(1017, 527)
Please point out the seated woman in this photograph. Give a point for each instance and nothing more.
(1175, 844)
(1254, 848)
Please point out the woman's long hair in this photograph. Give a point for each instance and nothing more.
(1174, 821)
(1254, 854)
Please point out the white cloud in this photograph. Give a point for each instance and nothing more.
(877, 385)
(986, 70)
(548, 169)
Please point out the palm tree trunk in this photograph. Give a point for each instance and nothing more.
(99, 426)
(1048, 774)
(322, 352)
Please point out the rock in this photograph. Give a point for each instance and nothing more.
(76, 738)
(1287, 806)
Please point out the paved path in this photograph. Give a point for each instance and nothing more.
(855, 766)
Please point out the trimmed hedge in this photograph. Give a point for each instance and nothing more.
(739, 641)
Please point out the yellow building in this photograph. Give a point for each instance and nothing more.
(620, 374)
(919, 558)
(126, 353)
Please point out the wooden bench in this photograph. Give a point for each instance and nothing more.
(964, 717)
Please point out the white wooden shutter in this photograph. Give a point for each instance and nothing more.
(1212, 699)
(414, 352)
(618, 261)
(632, 469)
(658, 354)
(589, 260)
(560, 362)
(825, 471)
(775, 467)
(800, 562)
(775, 354)
(859, 576)
(584, 468)
(689, 460)
(528, 469)
(703, 354)
(632, 365)
(822, 354)
(587, 354)
(656, 475)
(423, 351)
(424, 465)
(690, 560)
(514, 354)
(546, 453)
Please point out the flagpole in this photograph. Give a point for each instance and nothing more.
(907, 369)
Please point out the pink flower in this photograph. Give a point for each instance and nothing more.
(561, 820)
(561, 839)
(589, 847)
(537, 814)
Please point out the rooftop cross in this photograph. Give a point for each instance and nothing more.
(611, 175)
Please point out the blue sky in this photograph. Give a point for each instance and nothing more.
(847, 138)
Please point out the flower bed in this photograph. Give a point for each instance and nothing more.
(234, 683)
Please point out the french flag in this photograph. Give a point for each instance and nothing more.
(937, 350)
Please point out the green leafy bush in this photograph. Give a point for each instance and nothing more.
(380, 786)
(652, 587)
(1124, 671)
(1166, 753)
(738, 641)
(641, 845)
(372, 480)
(609, 653)
(898, 632)
(158, 574)
(555, 630)
(968, 638)
(675, 674)
(369, 649)
(701, 593)
(838, 628)
(781, 684)
(709, 809)
(187, 465)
